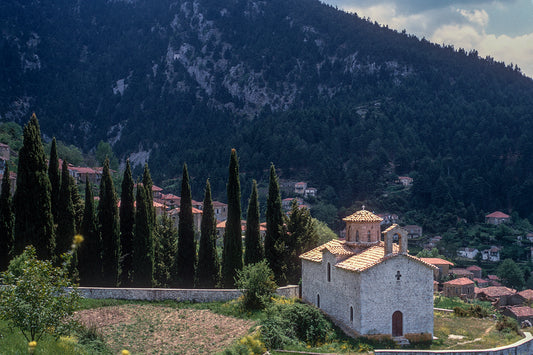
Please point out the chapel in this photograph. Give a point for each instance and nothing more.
(368, 284)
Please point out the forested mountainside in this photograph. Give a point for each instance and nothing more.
(327, 96)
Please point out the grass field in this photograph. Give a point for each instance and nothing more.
(206, 328)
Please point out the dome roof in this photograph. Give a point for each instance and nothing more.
(363, 216)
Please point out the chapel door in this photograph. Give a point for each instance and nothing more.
(397, 324)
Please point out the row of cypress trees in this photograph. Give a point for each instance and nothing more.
(127, 246)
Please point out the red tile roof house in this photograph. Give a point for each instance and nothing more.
(462, 287)
(527, 295)
(494, 280)
(500, 296)
(520, 313)
(497, 218)
(481, 283)
(458, 272)
(476, 270)
(442, 265)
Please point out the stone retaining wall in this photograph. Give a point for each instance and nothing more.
(177, 294)
(522, 347)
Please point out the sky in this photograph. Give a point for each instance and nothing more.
(501, 29)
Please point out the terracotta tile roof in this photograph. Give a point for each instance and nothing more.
(497, 214)
(156, 188)
(356, 258)
(463, 281)
(527, 294)
(498, 291)
(363, 216)
(480, 281)
(493, 277)
(521, 311)
(436, 261)
(474, 267)
(459, 271)
(220, 204)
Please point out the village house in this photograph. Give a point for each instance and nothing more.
(481, 283)
(286, 203)
(221, 228)
(527, 295)
(442, 266)
(5, 155)
(170, 201)
(369, 286)
(492, 254)
(462, 287)
(497, 218)
(12, 181)
(174, 215)
(388, 218)
(405, 180)
(461, 273)
(520, 313)
(500, 296)
(310, 192)
(494, 280)
(469, 253)
(299, 188)
(413, 231)
(476, 270)
(221, 210)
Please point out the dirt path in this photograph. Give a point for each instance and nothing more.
(147, 329)
(487, 331)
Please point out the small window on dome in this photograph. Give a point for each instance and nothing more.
(368, 234)
(329, 272)
(357, 236)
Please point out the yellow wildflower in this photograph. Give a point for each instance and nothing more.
(124, 352)
(78, 239)
(32, 344)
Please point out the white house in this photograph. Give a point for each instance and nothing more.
(369, 286)
(492, 254)
(468, 253)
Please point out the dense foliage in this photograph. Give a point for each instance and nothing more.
(352, 104)
(6, 221)
(34, 223)
(253, 246)
(127, 222)
(208, 269)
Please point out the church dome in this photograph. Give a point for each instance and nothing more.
(363, 216)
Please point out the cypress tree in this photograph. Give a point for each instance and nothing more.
(165, 243)
(208, 270)
(143, 245)
(253, 248)
(65, 213)
(127, 221)
(90, 251)
(274, 238)
(34, 223)
(6, 221)
(147, 183)
(107, 219)
(55, 179)
(186, 256)
(232, 252)
(77, 203)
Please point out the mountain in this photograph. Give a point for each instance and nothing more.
(327, 96)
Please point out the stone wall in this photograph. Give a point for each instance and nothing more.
(160, 294)
(522, 347)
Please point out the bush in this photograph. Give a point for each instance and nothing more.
(257, 284)
(288, 323)
(35, 299)
(507, 325)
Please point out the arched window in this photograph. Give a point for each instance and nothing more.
(329, 272)
(351, 314)
(318, 300)
(379, 236)
(357, 235)
(368, 235)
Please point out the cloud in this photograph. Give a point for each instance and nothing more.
(478, 17)
(517, 50)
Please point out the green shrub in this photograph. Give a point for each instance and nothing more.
(507, 325)
(257, 284)
(288, 323)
